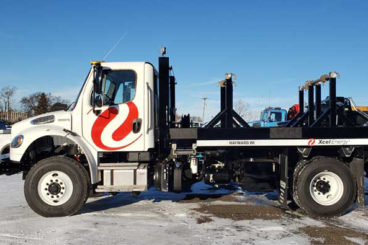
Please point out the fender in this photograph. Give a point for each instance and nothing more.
(32, 134)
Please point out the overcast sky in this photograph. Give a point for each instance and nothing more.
(272, 46)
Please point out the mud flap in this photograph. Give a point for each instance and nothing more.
(357, 169)
(284, 179)
(163, 175)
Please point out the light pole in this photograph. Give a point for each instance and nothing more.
(204, 107)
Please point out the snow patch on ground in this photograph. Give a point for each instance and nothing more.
(153, 217)
(356, 240)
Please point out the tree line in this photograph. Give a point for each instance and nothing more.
(33, 104)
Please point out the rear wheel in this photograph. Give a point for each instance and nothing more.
(56, 186)
(325, 187)
(178, 180)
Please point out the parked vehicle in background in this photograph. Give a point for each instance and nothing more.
(5, 138)
(196, 124)
(270, 117)
(2, 125)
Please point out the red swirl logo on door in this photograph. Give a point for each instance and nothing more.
(120, 133)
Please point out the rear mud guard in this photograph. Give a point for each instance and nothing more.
(284, 179)
(357, 169)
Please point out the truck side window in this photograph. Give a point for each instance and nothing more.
(275, 116)
(118, 86)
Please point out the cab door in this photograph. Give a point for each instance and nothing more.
(116, 123)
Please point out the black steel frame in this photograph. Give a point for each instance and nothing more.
(314, 115)
(227, 117)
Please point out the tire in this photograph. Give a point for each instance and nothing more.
(157, 175)
(325, 187)
(56, 187)
(298, 169)
(178, 180)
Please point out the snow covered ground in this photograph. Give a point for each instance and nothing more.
(204, 216)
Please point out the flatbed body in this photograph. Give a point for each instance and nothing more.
(249, 137)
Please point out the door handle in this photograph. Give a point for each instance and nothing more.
(137, 124)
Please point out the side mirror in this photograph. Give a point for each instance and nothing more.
(97, 81)
(98, 101)
(97, 85)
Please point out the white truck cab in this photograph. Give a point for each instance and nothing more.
(125, 98)
(113, 114)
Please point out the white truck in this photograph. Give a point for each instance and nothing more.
(120, 135)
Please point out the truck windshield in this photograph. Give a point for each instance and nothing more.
(264, 116)
(271, 116)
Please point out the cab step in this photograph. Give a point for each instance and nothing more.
(123, 177)
(132, 188)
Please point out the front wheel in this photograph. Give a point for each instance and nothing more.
(325, 187)
(56, 186)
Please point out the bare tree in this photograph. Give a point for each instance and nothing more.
(241, 107)
(6, 96)
(2, 106)
(29, 103)
(38, 103)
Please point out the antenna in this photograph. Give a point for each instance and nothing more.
(204, 107)
(115, 45)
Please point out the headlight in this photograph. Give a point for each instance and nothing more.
(43, 120)
(17, 141)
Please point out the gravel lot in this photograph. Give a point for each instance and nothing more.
(204, 216)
